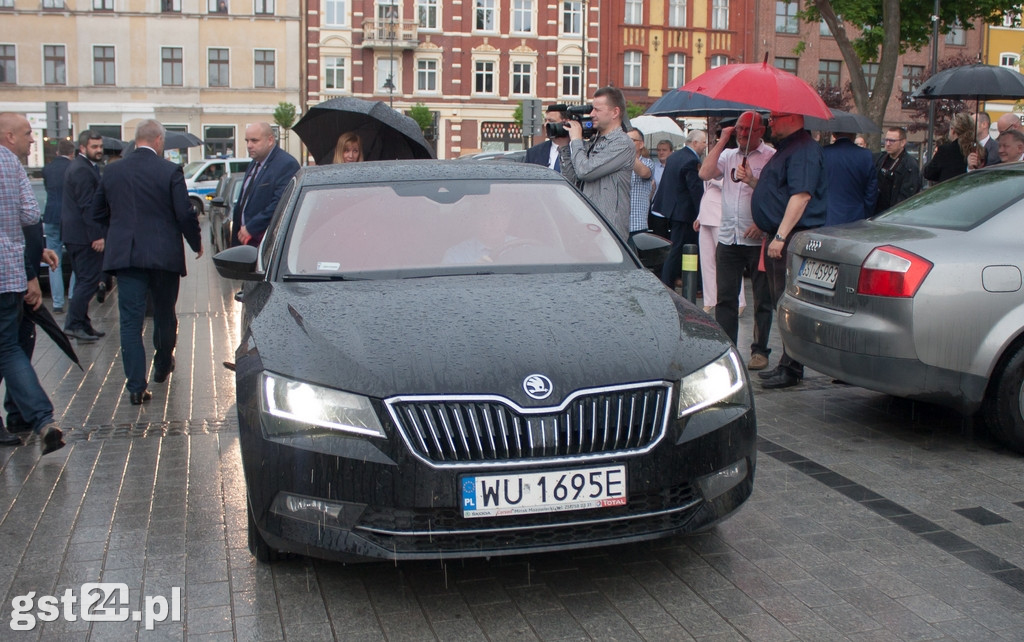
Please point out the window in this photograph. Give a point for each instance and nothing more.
(676, 70)
(677, 13)
(483, 77)
(219, 140)
(170, 6)
(426, 74)
(522, 16)
(334, 73)
(484, 16)
(387, 20)
(956, 36)
(911, 80)
(828, 72)
(571, 79)
(426, 13)
(264, 67)
(53, 4)
(217, 6)
(334, 14)
(263, 7)
(8, 65)
(218, 68)
(634, 12)
(522, 79)
(823, 29)
(785, 17)
(786, 64)
(631, 69)
(103, 65)
(170, 66)
(870, 70)
(572, 18)
(54, 65)
(718, 60)
(6, 4)
(102, 5)
(388, 76)
(719, 14)
(1010, 60)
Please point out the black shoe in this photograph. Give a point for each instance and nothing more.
(101, 293)
(52, 438)
(768, 374)
(94, 332)
(16, 424)
(7, 439)
(784, 379)
(137, 398)
(160, 376)
(58, 309)
(81, 335)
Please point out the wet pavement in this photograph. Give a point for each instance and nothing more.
(872, 518)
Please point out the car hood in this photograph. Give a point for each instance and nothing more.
(482, 334)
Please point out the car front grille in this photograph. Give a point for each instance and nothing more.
(445, 430)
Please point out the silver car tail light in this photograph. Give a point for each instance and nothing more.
(892, 272)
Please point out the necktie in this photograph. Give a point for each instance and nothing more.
(558, 163)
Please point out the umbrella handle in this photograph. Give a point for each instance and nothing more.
(732, 172)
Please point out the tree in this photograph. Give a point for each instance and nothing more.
(423, 117)
(891, 27)
(517, 115)
(284, 117)
(633, 109)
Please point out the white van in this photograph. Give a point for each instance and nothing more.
(201, 177)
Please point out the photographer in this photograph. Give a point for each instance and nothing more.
(599, 157)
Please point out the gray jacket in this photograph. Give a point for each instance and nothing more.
(602, 168)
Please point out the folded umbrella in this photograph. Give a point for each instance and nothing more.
(44, 320)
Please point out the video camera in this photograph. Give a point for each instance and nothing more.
(579, 113)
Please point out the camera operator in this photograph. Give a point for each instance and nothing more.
(602, 165)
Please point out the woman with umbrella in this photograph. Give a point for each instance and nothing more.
(951, 157)
(349, 149)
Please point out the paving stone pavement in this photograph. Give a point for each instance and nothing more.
(872, 518)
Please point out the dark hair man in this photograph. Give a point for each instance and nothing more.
(53, 181)
(546, 153)
(602, 166)
(985, 139)
(852, 181)
(899, 177)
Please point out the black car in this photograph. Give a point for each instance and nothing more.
(462, 359)
(222, 207)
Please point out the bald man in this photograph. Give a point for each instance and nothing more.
(268, 174)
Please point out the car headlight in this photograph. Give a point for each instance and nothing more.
(719, 381)
(308, 408)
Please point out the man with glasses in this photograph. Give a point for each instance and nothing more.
(899, 177)
(790, 195)
(639, 185)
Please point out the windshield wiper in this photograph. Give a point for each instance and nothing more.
(318, 277)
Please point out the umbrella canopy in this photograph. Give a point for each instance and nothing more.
(687, 103)
(112, 144)
(659, 128)
(173, 140)
(761, 85)
(385, 133)
(44, 320)
(844, 122)
(973, 82)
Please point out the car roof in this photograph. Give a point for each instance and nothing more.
(404, 170)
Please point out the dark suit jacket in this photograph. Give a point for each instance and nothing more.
(53, 181)
(80, 183)
(991, 152)
(142, 204)
(948, 162)
(539, 153)
(278, 169)
(678, 198)
(852, 182)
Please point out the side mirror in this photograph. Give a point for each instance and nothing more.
(218, 201)
(652, 249)
(238, 263)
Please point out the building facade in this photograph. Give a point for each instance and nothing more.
(208, 67)
(1004, 44)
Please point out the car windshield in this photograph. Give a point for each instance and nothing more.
(193, 167)
(423, 228)
(960, 203)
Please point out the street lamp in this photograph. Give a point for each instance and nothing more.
(390, 83)
(583, 49)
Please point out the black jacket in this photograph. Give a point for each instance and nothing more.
(898, 183)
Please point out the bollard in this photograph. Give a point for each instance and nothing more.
(690, 272)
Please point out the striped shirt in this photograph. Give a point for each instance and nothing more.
(18, 208)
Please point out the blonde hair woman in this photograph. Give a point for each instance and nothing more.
(951, 157)
(349, 149)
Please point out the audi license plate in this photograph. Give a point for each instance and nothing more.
(543, 492)
(819, 273)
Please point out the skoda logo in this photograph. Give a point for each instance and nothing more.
(538, 386)
(813, 246)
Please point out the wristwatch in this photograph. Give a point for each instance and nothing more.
(779, 237)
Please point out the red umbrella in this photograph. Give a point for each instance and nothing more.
(761, 85)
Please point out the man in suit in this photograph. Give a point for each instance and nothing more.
(985, 139)
(546, 153)
(268, 174)
(53, 181)
(852, 181)
(678, 200)
(83, 240)
(143, 208)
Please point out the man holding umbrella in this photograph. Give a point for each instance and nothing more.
(268, 174)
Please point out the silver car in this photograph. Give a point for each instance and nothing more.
(924, 301)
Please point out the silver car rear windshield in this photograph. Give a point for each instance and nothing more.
(960, 203)
(450, 226)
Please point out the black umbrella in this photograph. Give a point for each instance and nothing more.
(842, 121)
(973, 82)
(112, 144)
(44, 320)
(688, 103)
(174, 140)
(385, 133)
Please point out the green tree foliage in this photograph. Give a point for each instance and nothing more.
(633, 109)
(284, 117)
(517, 115)
(423, 116)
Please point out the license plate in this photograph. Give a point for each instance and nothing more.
(543, 492)
(819, 273)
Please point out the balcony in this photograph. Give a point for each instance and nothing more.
(385, 34)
